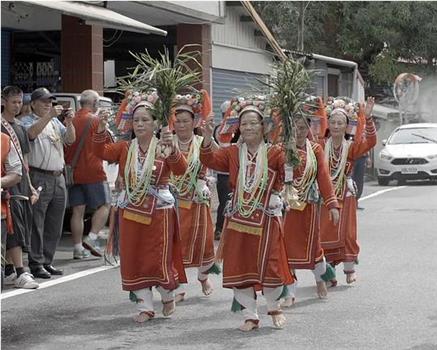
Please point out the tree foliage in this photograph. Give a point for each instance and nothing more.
(383, 37)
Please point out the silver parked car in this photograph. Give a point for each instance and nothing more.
(410, 153)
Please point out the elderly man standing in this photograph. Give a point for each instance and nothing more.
(90, 188)
(46, 162)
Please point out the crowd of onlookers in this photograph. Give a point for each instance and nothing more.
(46, 165)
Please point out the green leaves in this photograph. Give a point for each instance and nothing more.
(169, 77)
(288, 87)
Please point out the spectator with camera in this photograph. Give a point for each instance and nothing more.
(23, 195)
(46, 163)
(88, 187)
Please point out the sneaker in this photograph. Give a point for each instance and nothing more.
(93, 246)
(26, 281)
(9, 280)
(81, 254)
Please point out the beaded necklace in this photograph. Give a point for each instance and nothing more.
(337, 164)
(187, 182)
(252, 182)
(303, 183)
(138, 171)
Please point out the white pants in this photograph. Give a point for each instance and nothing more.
(348, 266)
(146, 297)
(247, 298)
(319, 270)
(201, 276)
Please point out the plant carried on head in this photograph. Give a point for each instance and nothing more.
(288, 87)
(167, 77)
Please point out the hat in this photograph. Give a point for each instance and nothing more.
(41, 93)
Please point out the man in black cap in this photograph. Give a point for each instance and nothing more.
(46, 163)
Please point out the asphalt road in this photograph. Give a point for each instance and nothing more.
(393, 305)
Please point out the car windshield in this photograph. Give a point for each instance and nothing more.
(414, 135)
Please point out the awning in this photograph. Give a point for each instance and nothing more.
(99, 16)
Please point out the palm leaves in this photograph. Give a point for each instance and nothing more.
(168, 77)
(288, 88)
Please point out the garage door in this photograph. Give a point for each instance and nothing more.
(228, 83)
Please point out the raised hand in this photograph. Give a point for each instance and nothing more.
(370, 103)
(103, 120)
(56, 111)
(207, 129)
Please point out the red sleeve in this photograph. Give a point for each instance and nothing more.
(177, 163)
(324, 179)
(363, 145)
(107, 151)
(215, 159)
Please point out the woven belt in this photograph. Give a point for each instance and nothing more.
(48, 172)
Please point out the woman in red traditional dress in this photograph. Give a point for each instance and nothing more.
(340, 241)
(193, 194)
(150, 252)
(301, 223)
(254, 256)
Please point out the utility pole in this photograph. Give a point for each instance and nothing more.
(301, 24)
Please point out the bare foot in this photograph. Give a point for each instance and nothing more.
(278, 319)
(351, 277)
(168, 307)
(322, 291)
(179, 297)
(249, 325)
(206, 287)
(288, 302)
(143, 316)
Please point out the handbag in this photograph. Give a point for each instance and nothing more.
(69, 168)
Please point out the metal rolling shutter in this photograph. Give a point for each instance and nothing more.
(228, 83)
(6, 57)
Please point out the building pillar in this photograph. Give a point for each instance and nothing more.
(199, 34)
(81, 56)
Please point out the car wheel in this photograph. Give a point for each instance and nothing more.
(401, 182)
(383, 181)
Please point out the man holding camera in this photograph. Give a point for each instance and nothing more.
(46, 164)
(90, 188)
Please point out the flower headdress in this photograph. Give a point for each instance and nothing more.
(354, 113)
(133, 101)
(198, 104)
(237, 106)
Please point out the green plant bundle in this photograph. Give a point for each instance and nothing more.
(288, 88)
(168, 77)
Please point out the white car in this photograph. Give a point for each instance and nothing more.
(410, 153)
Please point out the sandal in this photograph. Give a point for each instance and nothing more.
(144, 316)
(249, 325)
(179, 297)
(333, 282)
(322, 291)
(351, 277)
(278, 318)
(206, 286)
(288, 301)
(168, 308)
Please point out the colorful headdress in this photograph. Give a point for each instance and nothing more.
(354, 113)
(132, 102)
(237, 106)
(198, 104)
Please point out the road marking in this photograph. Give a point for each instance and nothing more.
(381, 192)
(54, 282)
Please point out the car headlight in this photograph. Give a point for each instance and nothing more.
(385, 156)
(432, 156)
